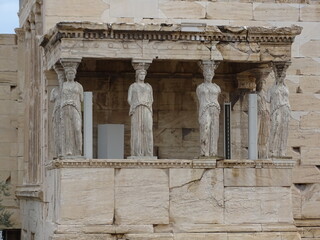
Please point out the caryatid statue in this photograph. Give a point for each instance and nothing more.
(209, 110)
(55, 97)
(263, 112)
(140, 98)
(280, 111)
(71, 98)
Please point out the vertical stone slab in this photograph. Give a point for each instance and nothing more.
(258, 205)
(141, 196)
(86, 196)
(196, 196)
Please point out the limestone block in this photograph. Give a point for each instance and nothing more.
(196, 196)
(169, 137)
(310, 232)
(275, 12)
(170, 101)
(296, 201)
(201, 236)
(250, 177)
(229, 11)
(7, 39)
(311, 120)
(151, 236)
(187, 152)
(304, 66)
(8, 58)
(239, 51)
(134, 8)
(8, 135)
(87, 196)
(7, 107)
(310, 84)
(81, 236)
(264, 236)
(76, 8)
(8, 77)
(303, 138)
(5, 92)
(258, 205)
(310, 13)
(8, 163)
(182, 9)
(311, 201)
(141, 196)
(310, 156)
(311, 48)
(178, 119)
(190, 137)
(306, 174)
(304, 102)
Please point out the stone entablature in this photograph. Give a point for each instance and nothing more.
(163, 41)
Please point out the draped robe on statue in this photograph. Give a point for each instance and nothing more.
(72, 96)
(140, 98)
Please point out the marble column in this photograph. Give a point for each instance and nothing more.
(140, 99)
(71, 117)
(280, 111)
(209, 110)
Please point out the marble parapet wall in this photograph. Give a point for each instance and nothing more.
(170, 199)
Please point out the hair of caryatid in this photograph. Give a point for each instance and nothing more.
(67, 69)
(138, 71)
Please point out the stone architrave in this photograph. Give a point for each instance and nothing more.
(280, 111)
(209, 110)
(140, 99)
(71, 98)
(263, 112)
(55, 97)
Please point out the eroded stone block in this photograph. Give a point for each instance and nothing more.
(196, 195)
(258, 205)
(249, 177)
(142, 196)
(87, 196)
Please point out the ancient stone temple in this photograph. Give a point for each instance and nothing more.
(162, 119)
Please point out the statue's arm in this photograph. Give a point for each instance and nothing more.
(130, 94)
(81, 92)
(53, 95)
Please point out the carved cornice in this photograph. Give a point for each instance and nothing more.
(170, 32)
(168, 163)
(274, 163)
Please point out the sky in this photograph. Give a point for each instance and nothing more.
(8, 15)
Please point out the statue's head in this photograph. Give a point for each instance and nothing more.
(208, 67)
(70, 74)
(140, 75)
(280, 70)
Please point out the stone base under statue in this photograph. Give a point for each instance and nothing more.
(143, 157)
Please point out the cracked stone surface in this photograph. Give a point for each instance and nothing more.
(196, 196)
(257, 205)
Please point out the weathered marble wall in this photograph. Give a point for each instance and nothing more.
(11, 123)
(162, 201)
